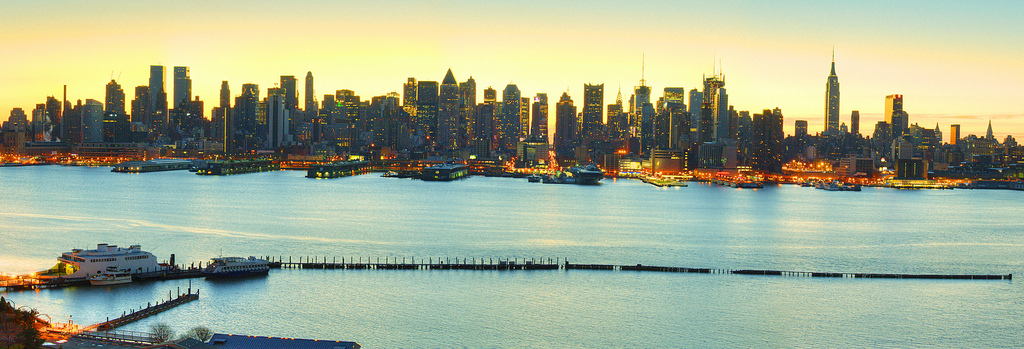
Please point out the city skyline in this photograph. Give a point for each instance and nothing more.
(955, 64)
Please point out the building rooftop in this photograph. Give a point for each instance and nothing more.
(226, 341)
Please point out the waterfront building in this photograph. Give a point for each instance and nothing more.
(565, 127)
(832, 100)
(895, 116)
(954, 134)
(448, 112)
(855, 122)
(593, 110)
(511, 112)
(182, 87)
(426, 110)
(800, 128)
(539, 121)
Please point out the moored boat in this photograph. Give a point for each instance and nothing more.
(111, 276)
(236, 266)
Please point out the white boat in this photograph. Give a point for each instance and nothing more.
(81, 264)
(236, 266)
(111, 276)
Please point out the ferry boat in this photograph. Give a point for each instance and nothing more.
(236, 266)
(111, 276)
(81, 264)
(534, 178)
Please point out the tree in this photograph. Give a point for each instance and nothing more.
(17, 327)
(200, 333)
(162, 332)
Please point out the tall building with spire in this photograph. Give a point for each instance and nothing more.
(448, 112)
(832, 100)
(311, 106)
(988, 134)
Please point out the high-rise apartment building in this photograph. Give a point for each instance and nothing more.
(767, 141)
(277, 117)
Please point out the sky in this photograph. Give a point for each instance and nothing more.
(955, 62)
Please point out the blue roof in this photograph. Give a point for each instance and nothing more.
(220, 340)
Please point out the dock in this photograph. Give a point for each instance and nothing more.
(230, 167)
(150, 310)
(472, 263)
(338, 169)
(154, 165)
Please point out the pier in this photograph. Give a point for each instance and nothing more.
(472, 263)
(230, 167)
(150, 310)
(152, 166)
(338, 169)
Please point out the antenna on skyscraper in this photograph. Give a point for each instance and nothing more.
(643, 67)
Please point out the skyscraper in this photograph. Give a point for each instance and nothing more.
(115, 119)
(277, 118)
(311, 106)
(408, 97)
(565, 127)
(448, 112)
(524, 118)
(855, 122)
(800, 128)
(158, 98)
(182, 87)
(593, 112)
(954, 134)
(895, 116)
(511, 112)
(696, 103)
(715, 109)
(832, 100)
(617, 120)
(676, 121)
(426, 110)
(539, 122)
(467, 111)
(988, 133)
(92, 121)
(767, 141)
(247, 135)
(222, 118)
(140, 105)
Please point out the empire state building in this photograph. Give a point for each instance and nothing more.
(832, 100)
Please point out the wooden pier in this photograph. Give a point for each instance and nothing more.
(403, 263)
(150, 310)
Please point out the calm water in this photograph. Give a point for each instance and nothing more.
(48, 210)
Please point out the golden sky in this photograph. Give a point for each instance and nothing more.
(954, 62)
